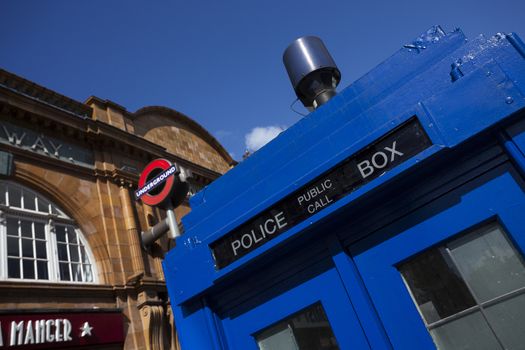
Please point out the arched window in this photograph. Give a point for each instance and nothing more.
(39, 242)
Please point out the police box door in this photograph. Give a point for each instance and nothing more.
(452, 274)
(315, 314)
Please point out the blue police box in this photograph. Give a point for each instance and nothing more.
(391, 217)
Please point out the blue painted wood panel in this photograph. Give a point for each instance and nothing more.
(498, 195)
(469, 97)
(326, 289)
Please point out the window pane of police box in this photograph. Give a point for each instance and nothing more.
(307, 330)
(436, 286)
(282, 338)
(491, 267)
(508, 320)
(488, 262)
(467, 332)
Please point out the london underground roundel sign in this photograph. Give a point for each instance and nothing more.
(156, 182)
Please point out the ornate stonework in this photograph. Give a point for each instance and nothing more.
(96, 193)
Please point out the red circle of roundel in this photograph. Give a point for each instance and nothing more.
(161, 164)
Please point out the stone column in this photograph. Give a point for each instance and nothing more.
(131, 228)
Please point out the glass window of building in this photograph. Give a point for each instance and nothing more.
(307, 330)
(39, 241)
(470, 291)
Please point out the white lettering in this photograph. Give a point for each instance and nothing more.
(269, 227)
(39, 144)
(365, 169)
(255, 240)
(311, 209)
(67, 330)
(270, 221)
(40, 331)
(155, 182)
(281, 220)
(55, 148)
(13, 137)
(393, 151)
(314, 192)
(58, 334)
(379, 160)
(250, 241)
(49, 334)
(236, 245)
(319, 204)
(30, 337)
(17, 330)
(376, 164)
(27, 139)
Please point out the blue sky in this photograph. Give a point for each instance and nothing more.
(219, 62)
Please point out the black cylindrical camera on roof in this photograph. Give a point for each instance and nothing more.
(312, 71)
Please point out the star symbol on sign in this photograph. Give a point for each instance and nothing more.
(86, 329)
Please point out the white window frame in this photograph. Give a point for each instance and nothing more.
(49, 220)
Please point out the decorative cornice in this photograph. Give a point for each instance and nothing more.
(42, 110)
(34, 91)
(96, 135)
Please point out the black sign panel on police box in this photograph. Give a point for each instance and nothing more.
(364, 166)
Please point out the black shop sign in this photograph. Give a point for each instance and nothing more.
(364, 166)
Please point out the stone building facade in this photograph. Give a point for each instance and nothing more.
(69, 225)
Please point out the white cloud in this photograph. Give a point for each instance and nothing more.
(260, 136)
